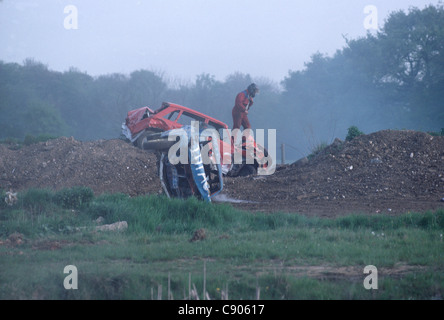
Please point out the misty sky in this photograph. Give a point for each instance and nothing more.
(184, 38)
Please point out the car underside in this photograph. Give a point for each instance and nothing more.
(192, 156)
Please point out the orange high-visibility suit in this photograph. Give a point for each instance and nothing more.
(240, 110)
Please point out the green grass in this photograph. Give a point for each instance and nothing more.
(352, 133)
(437, 134)
(15, 143)
(317, 149)
(286, 256)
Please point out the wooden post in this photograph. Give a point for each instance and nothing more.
(205, 280)
(189, 286)
(169, 286)
(159, 292)
(283, 153)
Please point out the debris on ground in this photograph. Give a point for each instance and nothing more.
(199, 235)
(105, 166)
(15, 239)
(369, 173)
(11, 198)
(117, 226)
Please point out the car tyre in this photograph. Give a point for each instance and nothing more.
(247, 170)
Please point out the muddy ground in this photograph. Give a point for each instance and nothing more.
(387, 172)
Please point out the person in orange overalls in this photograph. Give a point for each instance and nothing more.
(243, 102)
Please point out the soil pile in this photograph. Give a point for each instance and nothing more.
(384, 172)
(106, 166)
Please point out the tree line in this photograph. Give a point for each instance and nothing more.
(391, 79)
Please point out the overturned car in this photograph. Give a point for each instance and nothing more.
(192, 156)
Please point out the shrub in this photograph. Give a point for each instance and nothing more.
(317, 149)
(353, 132)
(29, 139)
(36, 200)
(437, 134)
(74, 198)
(12, 143)
(3, 204)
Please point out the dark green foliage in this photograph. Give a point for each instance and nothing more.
(74, 198)
(3, 204)
(36, 201)
(36, 100)
(29, 139)
(317, 149)
(15, 143)
(159, 214)
(12, 143)
(437, 134)
(111, 207)
(353, 132)
(427, 221)
(391, 79)
(432, 220)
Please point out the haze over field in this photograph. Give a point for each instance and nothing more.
(77, 67)
(185, 38)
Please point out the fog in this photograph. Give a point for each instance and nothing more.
(184, 38)
(67, 60)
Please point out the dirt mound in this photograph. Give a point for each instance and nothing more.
(104, 166)
(385, 171)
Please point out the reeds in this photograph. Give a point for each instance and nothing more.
(193, 293)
